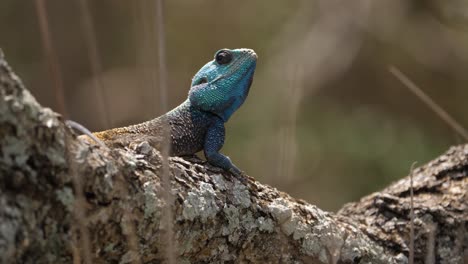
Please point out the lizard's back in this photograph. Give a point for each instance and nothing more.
(188, 127)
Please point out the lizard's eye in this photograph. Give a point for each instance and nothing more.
(223, 57)
(202, 81)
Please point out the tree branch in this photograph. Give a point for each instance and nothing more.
(63, 200)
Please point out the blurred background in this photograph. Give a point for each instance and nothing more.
(325, 121)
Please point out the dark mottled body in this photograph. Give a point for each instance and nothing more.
(188, 128)
(218, 89)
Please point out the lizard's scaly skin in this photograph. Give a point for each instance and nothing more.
(218, 89)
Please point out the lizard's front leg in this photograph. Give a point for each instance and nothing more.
(214, 141)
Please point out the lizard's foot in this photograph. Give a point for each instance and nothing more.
(193, 158)
(219, 160)
(240, 175)
(235, 171)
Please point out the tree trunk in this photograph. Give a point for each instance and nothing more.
(63, 201)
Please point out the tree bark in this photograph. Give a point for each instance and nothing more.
(63, 200)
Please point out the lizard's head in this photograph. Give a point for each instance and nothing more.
(221, 86)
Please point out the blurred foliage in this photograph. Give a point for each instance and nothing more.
(324, 121)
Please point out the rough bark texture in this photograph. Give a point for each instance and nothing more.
(62, 201)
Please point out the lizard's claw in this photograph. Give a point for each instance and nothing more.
(240, 175)
(235, 171)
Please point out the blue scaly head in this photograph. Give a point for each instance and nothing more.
(222, 85)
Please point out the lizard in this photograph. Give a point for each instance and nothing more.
(217, 90)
